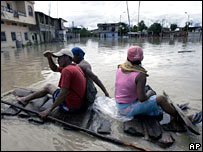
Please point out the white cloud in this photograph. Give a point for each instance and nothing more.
(90, 13)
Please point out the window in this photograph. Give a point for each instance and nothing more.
(14, 24)
(30, 11)
(13, 36)
(26, 36)
(3, 36)
(2, 22)
(24, 25)
(9, 7)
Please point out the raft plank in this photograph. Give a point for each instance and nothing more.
(12, 111)
(134, 127)
(98, 123)
(104, 127)
(174, 126)
(33, 105)
(153, 127)
(194, 129)
(166, 140)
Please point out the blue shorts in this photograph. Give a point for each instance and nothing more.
(148, 107)
(63, 104)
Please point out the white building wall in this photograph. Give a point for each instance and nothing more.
(21, 21)
(17, 29)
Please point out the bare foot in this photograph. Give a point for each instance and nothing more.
(21, 100)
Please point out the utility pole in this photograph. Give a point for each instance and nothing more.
(128, 13)
(187, 22)
(138, 18)
(49, 33)
(57, 9)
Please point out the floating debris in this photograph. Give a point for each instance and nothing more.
(186, 51)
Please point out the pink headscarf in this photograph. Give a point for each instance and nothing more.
(135, 53)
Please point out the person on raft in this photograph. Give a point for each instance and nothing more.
(130, 95)
(72, 84)
(86, 67)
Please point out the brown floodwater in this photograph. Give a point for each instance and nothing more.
(178, 74)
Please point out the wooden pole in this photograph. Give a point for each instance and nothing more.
(138, 19)
(113, 140)
(128, 14)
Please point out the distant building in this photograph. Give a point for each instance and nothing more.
(60, 30)
(44, 29)
(179, 32)
(108, 30)
(95, 31)
(72, 32)
(16, 19)
(195, 31)
(48, 29)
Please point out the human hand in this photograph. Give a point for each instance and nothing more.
(107, 94)
(48, 53)
(45, 113)
(151, 92)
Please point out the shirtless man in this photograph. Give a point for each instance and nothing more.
(86, 67)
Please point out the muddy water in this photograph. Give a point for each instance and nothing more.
(178, 74)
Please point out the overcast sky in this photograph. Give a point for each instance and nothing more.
(90, 13)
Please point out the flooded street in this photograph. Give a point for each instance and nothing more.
(178, 74)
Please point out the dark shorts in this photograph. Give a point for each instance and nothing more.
(63, 104)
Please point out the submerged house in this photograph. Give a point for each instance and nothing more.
(60, 30)
(48, 29)
(72, 32)
(17, 17)
(44, 29)
(108, 30)
(195, 31)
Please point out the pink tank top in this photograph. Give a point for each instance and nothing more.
(125, 89)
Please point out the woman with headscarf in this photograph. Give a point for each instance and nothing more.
(130, 95)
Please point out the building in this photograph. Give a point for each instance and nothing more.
(44, 29)
(48, 29)
(60, 30)
(195, 31)
(16, 19)
(72, 32)
(108, 30)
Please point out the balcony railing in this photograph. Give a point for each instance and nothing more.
(3, 8)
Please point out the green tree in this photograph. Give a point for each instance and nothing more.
(142, 26)
(123, 29)
(155, 28)
(84, 32)
(173, 27)
(187, 25)
(134, 28)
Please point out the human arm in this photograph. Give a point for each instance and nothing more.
(92, 76)
(52, 65)
(140, 84)
(60, 98)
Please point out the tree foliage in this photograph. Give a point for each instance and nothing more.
(155, 28)
(123, 29)
(173, 27)
(142, 26)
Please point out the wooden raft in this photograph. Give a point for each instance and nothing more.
(141, 126)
